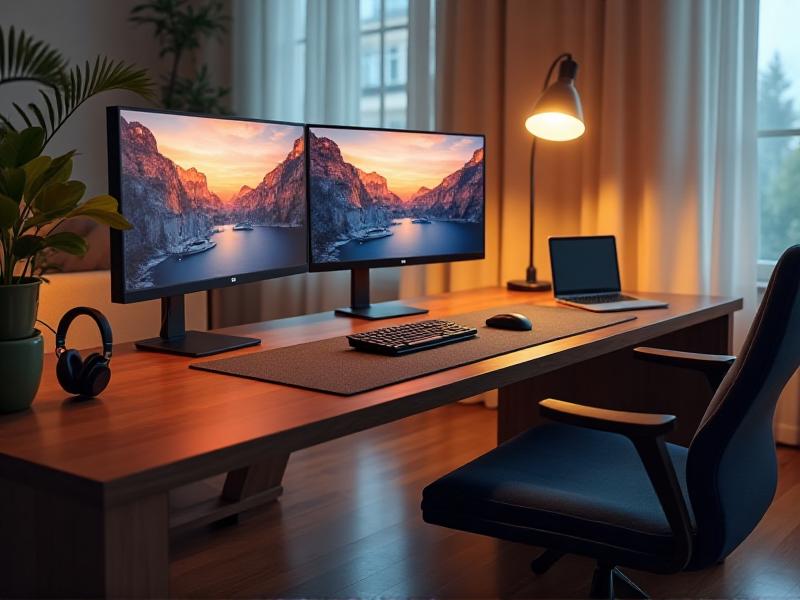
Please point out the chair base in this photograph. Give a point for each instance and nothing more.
(609, 582)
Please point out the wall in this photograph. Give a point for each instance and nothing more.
(81, 29)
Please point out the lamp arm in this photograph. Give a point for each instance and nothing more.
(559, 58)
(531, 273)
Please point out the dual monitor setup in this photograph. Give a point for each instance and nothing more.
(220, 201)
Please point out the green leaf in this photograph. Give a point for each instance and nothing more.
(27, 245)
(9, 212)
(101, 202)
(22, 57)
(79, 83)
(12, 183)
(110, 219)
(59, 195)
(30, 145)
(59, 169)
(18, 147)
(33, 169)
(102, 209)
(9, 148)
(68, 242)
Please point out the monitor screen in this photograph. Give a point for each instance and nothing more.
(583, 265)
(213, 201)
(386, 197)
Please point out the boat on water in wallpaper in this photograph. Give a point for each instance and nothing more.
(196, 247)
(377, 194)
(185, 179)
(375, 233)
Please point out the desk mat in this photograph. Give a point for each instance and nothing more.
(332, 366)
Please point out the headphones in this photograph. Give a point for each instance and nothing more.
(78, 376)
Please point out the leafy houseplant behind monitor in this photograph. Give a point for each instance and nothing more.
(37, 195)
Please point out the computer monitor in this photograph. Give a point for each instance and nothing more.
(214, 201)
(381, 197)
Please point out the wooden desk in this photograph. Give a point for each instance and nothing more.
(85, 486)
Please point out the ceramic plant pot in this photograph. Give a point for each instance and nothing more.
(19, 305)
(20, 371)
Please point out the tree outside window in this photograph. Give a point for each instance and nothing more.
(778, 129)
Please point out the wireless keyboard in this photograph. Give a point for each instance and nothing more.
(411, 337)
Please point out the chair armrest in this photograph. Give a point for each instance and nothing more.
(647, 432)
(615, 421)
(713, 366)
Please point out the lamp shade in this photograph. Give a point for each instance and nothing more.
(558, 114)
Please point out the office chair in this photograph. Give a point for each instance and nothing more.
(605, 484)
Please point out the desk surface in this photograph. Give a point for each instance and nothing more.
(160, 424)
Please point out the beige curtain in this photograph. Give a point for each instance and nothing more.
(667, 163)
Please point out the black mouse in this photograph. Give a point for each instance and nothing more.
(514, 321)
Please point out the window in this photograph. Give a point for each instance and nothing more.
(384, 62)
(778, 130)
(383, 27)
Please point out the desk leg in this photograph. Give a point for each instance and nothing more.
(263, 479)
(619, 381)
(62, 546)
(243, 489)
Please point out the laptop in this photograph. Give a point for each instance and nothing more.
(586, 275)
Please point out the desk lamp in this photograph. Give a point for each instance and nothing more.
(557, 116)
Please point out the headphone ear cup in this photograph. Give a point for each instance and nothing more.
(68, 370)
(94, 376)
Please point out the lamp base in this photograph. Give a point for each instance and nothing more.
(521, 285)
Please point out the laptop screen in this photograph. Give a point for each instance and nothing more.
(584, 265)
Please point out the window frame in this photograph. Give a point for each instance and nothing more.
(766, 266)
(382, 29)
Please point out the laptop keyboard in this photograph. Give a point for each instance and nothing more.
(601, 298)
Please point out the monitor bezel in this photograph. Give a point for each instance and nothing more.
(568, 238)
(119, 293)
(316, 267)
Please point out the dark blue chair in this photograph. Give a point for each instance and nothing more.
(605, 484)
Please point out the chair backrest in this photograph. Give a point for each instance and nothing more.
(732, 466)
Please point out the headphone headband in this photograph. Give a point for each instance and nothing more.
(98, 317)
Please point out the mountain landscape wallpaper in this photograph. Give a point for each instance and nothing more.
(209, 197)
(394, 194)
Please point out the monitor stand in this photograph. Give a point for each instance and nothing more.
(361, 308)
(174, 338)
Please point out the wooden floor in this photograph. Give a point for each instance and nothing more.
(349, 525)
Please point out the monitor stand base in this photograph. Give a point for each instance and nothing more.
(174, 338)
(361, 308)
(197, 344)
(382, 310)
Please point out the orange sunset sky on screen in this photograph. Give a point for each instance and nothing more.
(230, 153)
(406, 159)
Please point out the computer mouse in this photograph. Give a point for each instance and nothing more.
(513, 321)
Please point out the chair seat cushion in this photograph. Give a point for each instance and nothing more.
(562, 480)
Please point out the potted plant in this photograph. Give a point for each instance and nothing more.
(37, 195)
